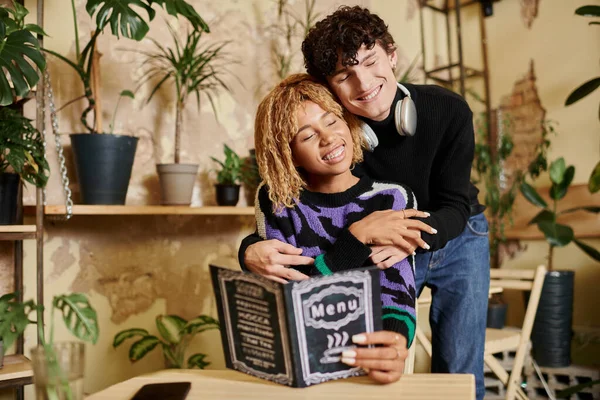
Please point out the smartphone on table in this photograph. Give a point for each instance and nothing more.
(163, 391)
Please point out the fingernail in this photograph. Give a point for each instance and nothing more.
(427, 214)
(414, 253)
(367, 370)
(348, 354)
(348, 361)
(359, 338)
(433, 230)
(426, 247)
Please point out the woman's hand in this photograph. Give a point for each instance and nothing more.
(385, 363)
(272, 258)
(386, 256)
(395, 228)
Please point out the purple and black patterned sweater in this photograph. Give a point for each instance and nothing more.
(318, 224)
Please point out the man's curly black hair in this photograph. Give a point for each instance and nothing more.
(344, 31)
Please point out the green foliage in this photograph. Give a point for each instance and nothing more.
(556, 234)
(176, 334)
(18, 50)
(229, 174)
(22, 148)
(287, 33)
(570, 391)
(193, 67)
(14, 317)
(124, 93)
(124, 21)
(79, 316)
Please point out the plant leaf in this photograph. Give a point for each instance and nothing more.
(200, 324)
(532, 196)
(558, 191)
(556, 234)
(79, 316)
(594, 182)
(180, 7)
(127, 93)
(17, 50)
(589, 250)
(121, 16)
(169, 327)
(142, 347)
(582, 91)
(592, 209)
(544, 215)
(557, 170)
(568, 392)
(128, 333)
(197, 361)
(588, 11)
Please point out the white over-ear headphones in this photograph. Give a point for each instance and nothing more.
(405, 118)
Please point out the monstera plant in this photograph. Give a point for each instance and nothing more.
(104, 182)
(20, 54)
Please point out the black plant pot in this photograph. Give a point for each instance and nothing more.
(551, 335)
(227, 195)
(9, 194)
(496, 315)
(103, 164)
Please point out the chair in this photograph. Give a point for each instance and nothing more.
(409, 363)
(499, 340)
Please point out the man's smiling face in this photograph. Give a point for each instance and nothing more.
(368, 88)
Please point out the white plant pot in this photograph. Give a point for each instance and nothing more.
(177, 183)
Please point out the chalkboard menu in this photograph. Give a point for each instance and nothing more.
(294, 334)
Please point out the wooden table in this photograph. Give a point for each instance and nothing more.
(227, 384)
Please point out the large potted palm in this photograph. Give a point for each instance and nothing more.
(551, 335)
(193, 68)
(104, 161)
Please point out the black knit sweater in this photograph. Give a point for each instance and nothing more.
(435, 163)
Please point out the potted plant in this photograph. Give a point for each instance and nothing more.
(193, 68)
(250, 177)
(176, 335)
(21, 158)
(18, 50)
(228, 178)
(57, 368)
(103, 162)
(551, 336)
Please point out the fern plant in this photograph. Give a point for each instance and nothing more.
(176, 335)
(22, 148)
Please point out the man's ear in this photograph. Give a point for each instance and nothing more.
(393, 57)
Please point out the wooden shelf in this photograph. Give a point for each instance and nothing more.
(17, 232)
(144, 210)
(17, 370)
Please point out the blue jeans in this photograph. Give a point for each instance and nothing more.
(459, 278)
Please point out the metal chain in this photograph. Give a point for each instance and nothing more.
(59, 150)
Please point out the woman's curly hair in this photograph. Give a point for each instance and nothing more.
(343, 33)
(275, 127)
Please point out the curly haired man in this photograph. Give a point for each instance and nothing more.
(353, 52)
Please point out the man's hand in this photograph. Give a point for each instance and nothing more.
(395, 228)
(385, 363)
(270, 259)
(386, 256)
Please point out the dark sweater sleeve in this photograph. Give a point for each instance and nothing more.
(450, 187)
(247, 242)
